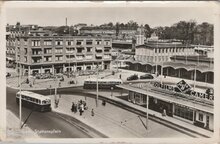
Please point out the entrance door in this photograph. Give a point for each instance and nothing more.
(207, 122)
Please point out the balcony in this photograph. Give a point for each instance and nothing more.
(88, 57)
(98, 56)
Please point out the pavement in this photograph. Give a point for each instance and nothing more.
(14, 133)
(113, 121)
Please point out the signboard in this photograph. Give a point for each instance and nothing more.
(183, 88)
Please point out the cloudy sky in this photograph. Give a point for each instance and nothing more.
(154, 16)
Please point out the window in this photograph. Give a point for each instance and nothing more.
(200, 117)
(79, 50)
(48, 59)
(47, 51)
(69, 50)
(89, 42)
(79, 42)
(107, 42)
(59, 58)
(183, 112)
(18, 58)
(60, 50)
(58, 43)
(46, 43)
(88, 49)
(25, 58)
(25, 51)
(69, 42)
(35, 43)
(98, 42)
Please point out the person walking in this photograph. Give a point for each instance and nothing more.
(73, 107)
(92, 113)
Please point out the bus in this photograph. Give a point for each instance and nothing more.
(34, 101)
(102, 83)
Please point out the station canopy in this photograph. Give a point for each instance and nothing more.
(178, 65)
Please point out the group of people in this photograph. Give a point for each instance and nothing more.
(81, 106)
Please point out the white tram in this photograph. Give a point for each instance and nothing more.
(34, 101)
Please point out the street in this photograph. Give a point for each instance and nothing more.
(45, 121)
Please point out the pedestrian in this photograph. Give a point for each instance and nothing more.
(120, 76)
(164, 112)
(73, 107)
(92, 113)
(103, 102)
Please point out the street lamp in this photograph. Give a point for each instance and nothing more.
(97, 86)
(20, 101)
(147, 108)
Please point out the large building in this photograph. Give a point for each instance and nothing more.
(57, 54)
(179, 101)
(161, 52)
(173, 59)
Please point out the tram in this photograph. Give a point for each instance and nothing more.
(102, 83)
(34, 101)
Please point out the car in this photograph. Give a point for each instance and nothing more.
(132, 77)
(147, 76)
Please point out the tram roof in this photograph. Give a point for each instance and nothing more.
(34, 95)
(103, 80)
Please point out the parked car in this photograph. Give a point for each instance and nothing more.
(147, 76)
(8, 74)
(132, 77)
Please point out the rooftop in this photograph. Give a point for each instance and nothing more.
(164, 45)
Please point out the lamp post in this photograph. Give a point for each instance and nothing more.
(20, 101)
(97, 86)
(147, 106)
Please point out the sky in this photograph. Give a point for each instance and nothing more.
(154, 16)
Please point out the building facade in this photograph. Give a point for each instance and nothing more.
(161, 52)
(187, 105)
(57, 54)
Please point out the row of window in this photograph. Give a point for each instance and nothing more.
(166, 50)
(60, 50)
(71, 42)
(60, 58)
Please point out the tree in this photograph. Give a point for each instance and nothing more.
(117, 28)
(147, 31)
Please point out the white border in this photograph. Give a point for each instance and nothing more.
(57, 4)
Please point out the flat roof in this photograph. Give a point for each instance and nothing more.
(171, 98)
(164, 45)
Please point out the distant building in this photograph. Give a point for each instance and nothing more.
(140, 38)
(161, 52)
(57, 54)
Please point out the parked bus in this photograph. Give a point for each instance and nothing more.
(34, 101)
(102, 83)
